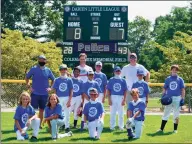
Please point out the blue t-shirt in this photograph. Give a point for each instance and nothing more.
(63, 86)
(77, 87)
(173, 85)
(101, 78)
(57, 110)
(117, 86)
(143, 88)
(135, 108)
(22, 115)
(40, 79)
(87, 85)
(93, 111)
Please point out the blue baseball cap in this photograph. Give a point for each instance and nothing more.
(117, 68)
(140, 72)
(42, 57)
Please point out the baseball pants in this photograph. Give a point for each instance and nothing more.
(92, 128)
(175, 106)
(100, 98)
(34, 125)
(128, 98)
(85, 101)
(65, 110)
(138, 128)
(55, 125)
(116, 107)
(75, 104)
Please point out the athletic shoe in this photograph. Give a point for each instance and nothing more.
(159, 131)
(175, 131)
(67, 130)
(33, 138)
(97, 138)
(70, 133)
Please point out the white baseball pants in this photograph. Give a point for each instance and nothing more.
(138, 128)
(92, 128)
(55, 125)
(34, 125)
(75, 104)
(116, 107)
(175, 106)
(65, 110)
(85, 101)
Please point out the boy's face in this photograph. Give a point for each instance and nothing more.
(135, 97)
(90, 76)
(140, 77)
(93, 95)
(76, 73)
(118, 72)
(98, 67)
(174, 71)
(63, 71)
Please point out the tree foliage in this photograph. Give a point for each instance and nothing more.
(20, 53)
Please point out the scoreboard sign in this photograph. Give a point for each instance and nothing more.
(99, 31)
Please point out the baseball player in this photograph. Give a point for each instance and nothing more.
(63, 87)
(175, 88)
(77, 98)
(135, 115)
(83, 67)
(101, 78)
(93, 113)
(25, 117)
(54, 117)
(117, 89)
(142, 86)
(91, 83)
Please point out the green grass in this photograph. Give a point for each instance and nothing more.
(152, 124)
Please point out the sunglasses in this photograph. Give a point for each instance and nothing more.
(118, 71)
(132, 57)
(93, 94)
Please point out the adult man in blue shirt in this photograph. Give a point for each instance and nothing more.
(40, 84)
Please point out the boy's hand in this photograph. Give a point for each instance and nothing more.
(123, 103)
(110, 102)
(28, 123)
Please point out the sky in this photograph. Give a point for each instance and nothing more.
(147, 9)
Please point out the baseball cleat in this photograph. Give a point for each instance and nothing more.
(175, 131)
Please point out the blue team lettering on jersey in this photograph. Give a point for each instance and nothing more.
(140, 106)
(117, 86)
(143, 88)
(22, 115)
(40, 79)
(63, 86)
(173, 85)
(93, 111)
(77, 87)
(56, 111)
(101, 78)
(90, 84)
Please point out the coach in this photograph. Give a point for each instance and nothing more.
(130, 73)
(40, 84)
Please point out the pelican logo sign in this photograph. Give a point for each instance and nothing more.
(67, 9)
(123, 9)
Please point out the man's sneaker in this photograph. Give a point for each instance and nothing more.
(97, 138)
(159, 131)
(70, 133)
(67, 130)
(175, 131)
(33, 138)
(54, 139)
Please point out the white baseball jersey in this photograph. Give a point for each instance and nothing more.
(83, 72)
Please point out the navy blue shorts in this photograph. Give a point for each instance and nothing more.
(39, 101)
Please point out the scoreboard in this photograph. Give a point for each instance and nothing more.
(99, 31)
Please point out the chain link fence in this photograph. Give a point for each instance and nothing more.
(13, 88)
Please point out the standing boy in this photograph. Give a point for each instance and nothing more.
(117, 90)
(174, 87)
(63, 87)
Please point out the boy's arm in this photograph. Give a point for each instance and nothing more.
(136, 114)
(128, 113)
(183, 93)
(147, 99)
(109, 97)
(18, 126)
(85, 96)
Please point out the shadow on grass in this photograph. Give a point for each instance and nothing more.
(8, 139)
(123, 140)
(119, 132)
(83, 138)
(7, 131)
(159, 134)
(44, 139)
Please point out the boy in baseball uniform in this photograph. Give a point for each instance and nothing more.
(175, 88)
(63, 87)
(77, 91)
(135, 115)
(91, 83)
(142, 86)
(93, 113)
(117, 90)
(101, 78)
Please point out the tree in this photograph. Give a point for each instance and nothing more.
(176, 51)
(20, 53)
(138, 33)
